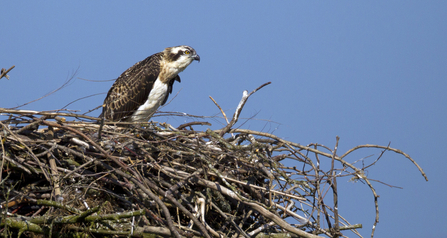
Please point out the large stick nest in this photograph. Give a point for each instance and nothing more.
(58, 178)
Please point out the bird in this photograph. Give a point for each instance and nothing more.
(140, 90)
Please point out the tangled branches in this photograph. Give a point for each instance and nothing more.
(61, 180)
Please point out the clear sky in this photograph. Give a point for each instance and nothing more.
(371, 72)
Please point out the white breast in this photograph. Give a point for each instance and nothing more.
(158, 93)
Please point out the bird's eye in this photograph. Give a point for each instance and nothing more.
(187, 52)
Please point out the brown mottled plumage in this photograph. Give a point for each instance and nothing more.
(132, 97)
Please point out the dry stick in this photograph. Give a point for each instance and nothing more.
(161, 204)
(29, 151)
(36, 122)
(230, 220)
(4, 158)
(223, 113)
(119, 163)
(94, 161)
(340, 159)
(48, 94)
(186, 174)
(4, 72)
(177, 204)
(164, 209)
(182, 175)
(376, 197)
(253, 204)
(344, 225)
(45, 113)
(54, 175)
(276, 138)
(335, 192)
(89, 161)
(317, 189)
(348, 227)
(280, 222)
(386, 148)
(193, 123)
(147, 191)
(12, 161)
(101, 122)
(244, 99)
(319, 196)
(375, 161)
(300, 218)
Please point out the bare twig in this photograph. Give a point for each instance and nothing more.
(4, 72)
(45, 113)
(335, 191)
(65, 84)
(222, 111)
(245, 96)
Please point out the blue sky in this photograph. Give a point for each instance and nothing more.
(371, 72)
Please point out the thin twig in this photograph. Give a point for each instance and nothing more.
(221, 111)
(65, 84)
(335, 191)
(4, 72)
(245, 96)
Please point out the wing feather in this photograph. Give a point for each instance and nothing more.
(170, 83)
(132, 88)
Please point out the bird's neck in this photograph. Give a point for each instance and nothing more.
(171, 69)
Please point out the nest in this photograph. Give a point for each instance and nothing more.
(77, 178)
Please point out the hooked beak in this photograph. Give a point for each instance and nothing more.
(196, 57)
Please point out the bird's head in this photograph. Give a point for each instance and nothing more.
(181, 56)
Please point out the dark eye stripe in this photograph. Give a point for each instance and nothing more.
(176, 56)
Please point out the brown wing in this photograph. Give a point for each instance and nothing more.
(170, 83)
(132, 88)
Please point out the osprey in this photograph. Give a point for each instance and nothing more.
(140, 90)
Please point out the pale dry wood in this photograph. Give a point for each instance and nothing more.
(4, 72)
